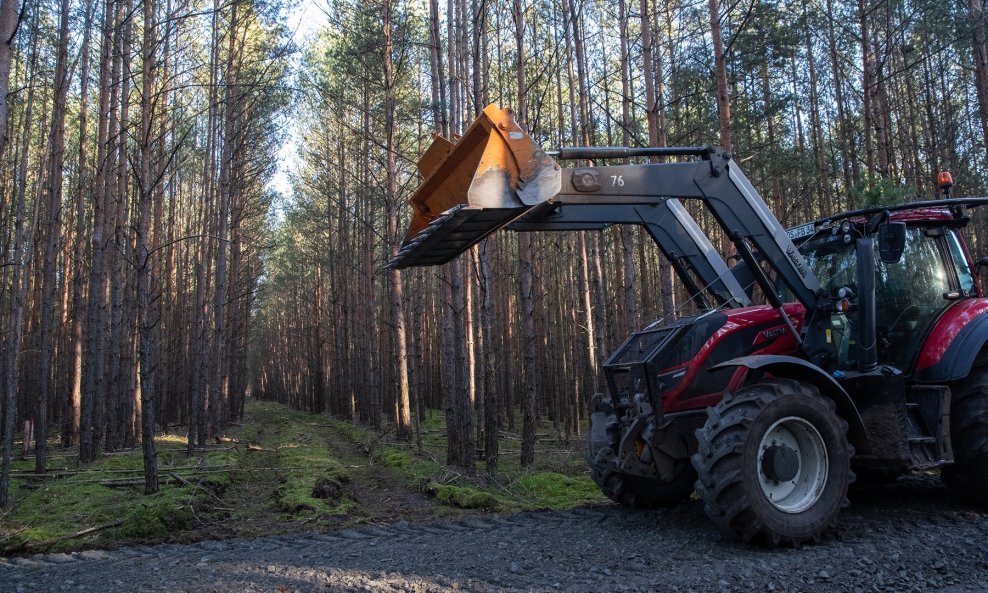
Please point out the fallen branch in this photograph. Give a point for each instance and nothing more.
(11, 535)
(196, 486)
(369, 448)
(28, 546)
(260, 448)
(132, 483)
(136, 470)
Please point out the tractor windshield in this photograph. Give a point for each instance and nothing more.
(909, 293)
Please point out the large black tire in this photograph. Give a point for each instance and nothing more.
(643, 493)
(793, 502)
(968, 475)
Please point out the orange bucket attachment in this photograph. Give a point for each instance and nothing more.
(474, 186)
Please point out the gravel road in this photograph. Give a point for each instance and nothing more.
(905, 537)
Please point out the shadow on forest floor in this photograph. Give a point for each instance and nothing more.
(280, 471)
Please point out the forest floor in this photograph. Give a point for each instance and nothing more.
(910, 536)
(280, 472)
(304, 503)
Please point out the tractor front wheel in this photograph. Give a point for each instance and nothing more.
(968, 475)
(774, 463)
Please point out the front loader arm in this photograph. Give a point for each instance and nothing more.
(496, 177)
(718, 182)
(667, 222)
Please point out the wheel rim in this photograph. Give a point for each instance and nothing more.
(792, 464)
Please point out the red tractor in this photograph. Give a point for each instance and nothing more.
(868, 357)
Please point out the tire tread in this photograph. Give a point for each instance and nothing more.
(719, 475)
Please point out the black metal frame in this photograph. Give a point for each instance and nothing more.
(715, 180)
(950, 203)
(667, 222)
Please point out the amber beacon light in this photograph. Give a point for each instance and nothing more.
(945, 181)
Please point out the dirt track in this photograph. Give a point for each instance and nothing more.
(910, 536)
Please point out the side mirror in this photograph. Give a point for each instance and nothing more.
(982, 263)
(891, 241)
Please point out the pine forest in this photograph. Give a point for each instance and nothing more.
(155, 276)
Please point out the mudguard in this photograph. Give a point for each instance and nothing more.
(954, 344)
(791, 367)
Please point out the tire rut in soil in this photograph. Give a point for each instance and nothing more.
(380, 494)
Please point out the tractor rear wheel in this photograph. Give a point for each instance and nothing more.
(969, 435)
(637, 492)
(774, 463)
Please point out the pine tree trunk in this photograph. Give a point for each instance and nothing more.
(720, 71)
(392, 204)
(627, 237)
(93, 379)
(979, 39)
(147, 348)
(866, 85)
(525, 274)
(9, 23)
(219, 374)
(70, 427)
(56, 161)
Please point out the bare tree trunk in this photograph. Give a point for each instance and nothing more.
(120, 397)
(657, 136)
(56, 158)
(979, 39)
(396, 288)
(525, 281)
(492, 400)
(219, 373)
(441, 121)
(849, 165)
(880, 118)
(720, 71)
(581, 70)
(147, 349)
(819, 148)
(70, 428)
(867, 74)
(93, 379)
(776, 196)
(627, 233)
(21, 255)
(9, 23)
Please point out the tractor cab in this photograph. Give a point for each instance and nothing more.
(913, 285)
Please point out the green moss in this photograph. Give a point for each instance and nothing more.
(556, 491)
(464, 497)
(73, 498)
(157, 516)
(299, 451)
(393, 458)
(278, 485)
(296, 497)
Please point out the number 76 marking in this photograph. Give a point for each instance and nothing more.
(617, 180)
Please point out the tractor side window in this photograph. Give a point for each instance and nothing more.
(909, 296)
(919, 278)
(964, 275)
